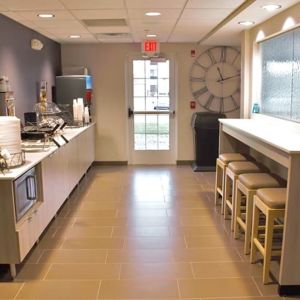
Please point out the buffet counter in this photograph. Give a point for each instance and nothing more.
(279, 141)
(33, 158)
(32, 194)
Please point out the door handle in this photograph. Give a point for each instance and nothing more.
(130, 112)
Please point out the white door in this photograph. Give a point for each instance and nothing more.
(151, 112)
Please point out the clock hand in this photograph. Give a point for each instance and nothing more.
(223, 79)
(220, 74)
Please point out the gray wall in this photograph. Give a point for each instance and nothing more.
(26, 67)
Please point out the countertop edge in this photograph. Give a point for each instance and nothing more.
(33, 158)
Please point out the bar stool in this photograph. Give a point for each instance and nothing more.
(271, 203)
(233, 170)
(246, 187)
(223, 160)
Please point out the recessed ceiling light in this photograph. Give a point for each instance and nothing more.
(271, 7)
(152, 14)
(75, 36)
(46, 16)
(246, 23)
(151, 35)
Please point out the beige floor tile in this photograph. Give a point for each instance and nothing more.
(93, 243)
(152, 221)
(145, 231)
(245, 298)
(225, 269)
(223, 287)
(74, 256)
(194, 230)
(106, 213)
(190, 212)
(206, 255)
(266, 289)
(59, 290)
(83, 271)
(156, 270)
(84, 231)
(142, 212)
(103, 221)
(154, 243)
(141, 255)
(207, 241)
(9, 290)
(197, 221)
(92, 205)
(139, 289)
(28, 272)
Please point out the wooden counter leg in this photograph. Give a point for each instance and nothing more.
(289, 276)
(13, 271)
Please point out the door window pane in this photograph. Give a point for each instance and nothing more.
(151, 92)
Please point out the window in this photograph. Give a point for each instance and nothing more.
(280, 86)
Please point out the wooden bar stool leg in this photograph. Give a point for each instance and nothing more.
(268, 247)
(226, 195)
(233, 188)
(218, 182)
(255, 224)
(249, 210)
(238, 198)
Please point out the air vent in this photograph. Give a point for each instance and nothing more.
(105, 22)
(114, 37)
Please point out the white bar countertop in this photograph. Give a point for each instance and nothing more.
(280, 134)
(33, 158)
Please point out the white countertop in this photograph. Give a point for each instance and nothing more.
(33, 158)
(280, 134)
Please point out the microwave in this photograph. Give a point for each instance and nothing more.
(25, 193)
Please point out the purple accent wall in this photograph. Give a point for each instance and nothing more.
(24, 66)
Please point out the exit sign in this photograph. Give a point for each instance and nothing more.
(150, 47)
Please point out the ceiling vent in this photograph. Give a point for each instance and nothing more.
(105, 22)
(113, 36)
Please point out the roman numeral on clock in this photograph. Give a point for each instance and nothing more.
(223, 54)
(200, 92)
(197, 79)
(211, 57)
(196, 63)
(209, 102)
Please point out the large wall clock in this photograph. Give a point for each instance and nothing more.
(215, 79)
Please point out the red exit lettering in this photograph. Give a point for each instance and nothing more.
(150, 46)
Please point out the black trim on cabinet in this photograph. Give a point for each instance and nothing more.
(289, 290)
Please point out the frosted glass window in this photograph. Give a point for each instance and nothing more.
(296, 78)
(280, 86)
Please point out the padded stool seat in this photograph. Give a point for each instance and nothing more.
(255, 181)
(228, 157)
(223, 160)
(247, 185)
(274, 198)
(232, 171)
(270, 203)
(240, 167)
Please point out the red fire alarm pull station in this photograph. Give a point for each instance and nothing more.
(192, 104)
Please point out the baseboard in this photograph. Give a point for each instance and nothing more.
(110, 163)
(289, 290)
(184, 162)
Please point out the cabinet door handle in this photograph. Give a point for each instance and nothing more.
(31, 192)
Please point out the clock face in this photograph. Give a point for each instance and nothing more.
(215, 79)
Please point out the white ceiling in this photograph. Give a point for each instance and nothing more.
(180, 20)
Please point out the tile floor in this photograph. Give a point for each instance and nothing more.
(139, 233)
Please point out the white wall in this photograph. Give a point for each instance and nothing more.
(106, 63)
